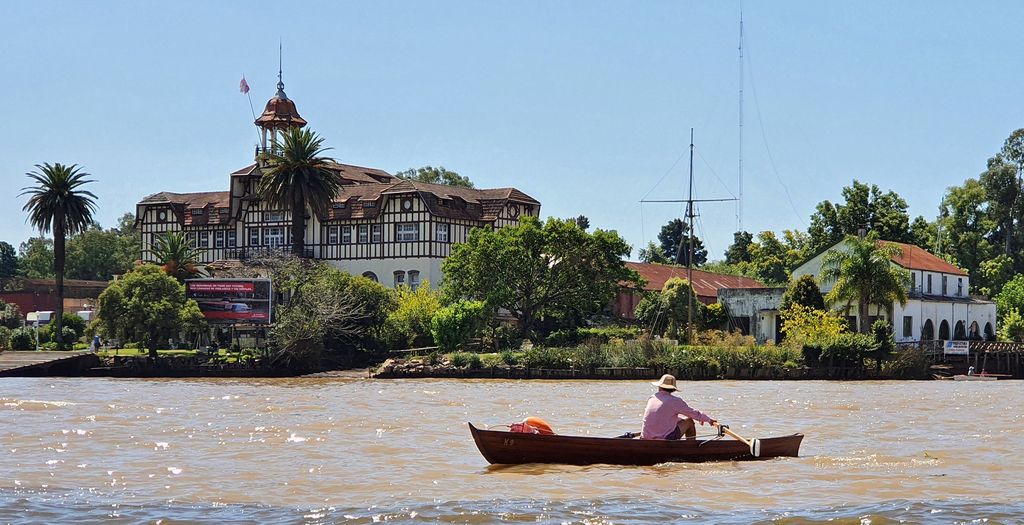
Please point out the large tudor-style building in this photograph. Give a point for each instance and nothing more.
(391, 230)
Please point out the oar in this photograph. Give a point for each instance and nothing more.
(754, 444)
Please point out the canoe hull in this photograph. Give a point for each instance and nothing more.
(507, 448)
(974, 378)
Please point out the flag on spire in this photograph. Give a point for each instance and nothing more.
(243, 86)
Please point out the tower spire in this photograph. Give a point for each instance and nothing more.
(280, 62)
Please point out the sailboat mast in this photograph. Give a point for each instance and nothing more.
(689, 258)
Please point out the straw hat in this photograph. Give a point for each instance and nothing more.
(668, 382)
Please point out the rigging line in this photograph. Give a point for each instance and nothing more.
(672, 167)
(719, 179)
(764, 137)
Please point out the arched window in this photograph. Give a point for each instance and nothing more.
(399, 278)
(371, 276)
(960, 331)
(974, 334)
(414, 279)
(990, 333)
(944, 330)
(927, 331)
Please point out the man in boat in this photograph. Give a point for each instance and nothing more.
(669, 417)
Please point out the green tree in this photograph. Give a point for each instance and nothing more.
(1013, 152)
(99, 255)
(408, 325)
(533, 270)
(178, 257)
(924, 233)
(58, 203)
(668, 312)
(674, 241)
(298, 178)
(864, 272)
(10, 315)
(805, 292)
(865, 206)
(1011, 297)
(739, 250)
(993, 274)
(1011, 328)
(652, 254)
(433, 175)
(8, 260)
(35, 258)
(453, 325)
(770, 259)
(146, 306)
(803, 325)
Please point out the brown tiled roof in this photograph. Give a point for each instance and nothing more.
(705, 284)
(215, 205)
(349, 173)
(916, 258)
(281, 111)
(454, 202)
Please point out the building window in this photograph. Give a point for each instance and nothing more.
(908, 326)
(273, 236)
(190, 239)
(254, 237)
(364, 234)
(944, 287)
(414, 279)
(370, 204)
(196, 211)
(441, 233)
(929, 283)
(399, 278)
(913, 282)
(376, 231)
(371, 276)
(959, 286)
(232, 239)
(346, 235)
(406, 204)
(218, 239)
(332, 235)
(273, 216)
(407, 232)
(162, 216)
(204, 239)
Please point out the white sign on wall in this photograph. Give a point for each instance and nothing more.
(957, 348)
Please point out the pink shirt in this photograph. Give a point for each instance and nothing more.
(662, 415)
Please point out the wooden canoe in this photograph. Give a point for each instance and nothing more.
(501, 447)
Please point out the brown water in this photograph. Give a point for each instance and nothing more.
(337, 450)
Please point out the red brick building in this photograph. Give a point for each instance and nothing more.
(32, 295)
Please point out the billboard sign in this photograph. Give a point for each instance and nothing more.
(957, 348)
(231, 301)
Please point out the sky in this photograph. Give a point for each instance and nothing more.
(585, 106)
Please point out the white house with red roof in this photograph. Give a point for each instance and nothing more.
(939, 307)
(390, 230)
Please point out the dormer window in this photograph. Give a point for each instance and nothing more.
(273, 216)
(196, 211)
(370, 204)
(445, 203)
(338, 205)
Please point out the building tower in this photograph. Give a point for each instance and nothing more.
(279, 115)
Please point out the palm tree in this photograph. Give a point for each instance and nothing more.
(178, 256)
(58, 203)
(298, 177)
(865, 273)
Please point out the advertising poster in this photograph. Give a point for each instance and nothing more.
(231, 301)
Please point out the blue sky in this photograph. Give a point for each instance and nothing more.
(586, 106)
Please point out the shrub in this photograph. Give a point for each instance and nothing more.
(909, 363)
(716, 316)
(465, 360)
(509, 357)
(10, 315)
(845, 349)
(453, 325)
(77, 324)
(805, 292)
(501, 337)
(5, 337)
(409, 324)
(803, 325)
(22, 339)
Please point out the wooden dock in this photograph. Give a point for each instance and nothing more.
(45, 363)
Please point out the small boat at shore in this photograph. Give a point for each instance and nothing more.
(965, 377)
(502, 447)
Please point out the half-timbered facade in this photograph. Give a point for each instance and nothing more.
(391, 230)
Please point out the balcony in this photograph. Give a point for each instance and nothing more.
(254, 252)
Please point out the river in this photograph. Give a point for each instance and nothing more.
(351, 450)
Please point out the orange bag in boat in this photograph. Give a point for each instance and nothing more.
(541, 426)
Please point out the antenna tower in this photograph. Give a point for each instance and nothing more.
(739, 206)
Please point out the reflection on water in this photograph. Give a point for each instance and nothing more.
(333, 450)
